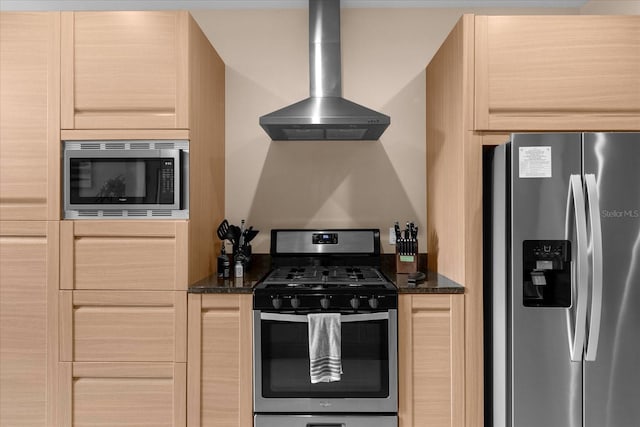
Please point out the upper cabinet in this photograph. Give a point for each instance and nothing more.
(557, 73)
(124, 70)
(29, 116)
(130, 70)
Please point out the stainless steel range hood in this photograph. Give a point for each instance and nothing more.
(325, 115)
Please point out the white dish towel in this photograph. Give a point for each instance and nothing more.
(325, 360)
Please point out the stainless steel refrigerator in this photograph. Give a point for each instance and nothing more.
(562, 305)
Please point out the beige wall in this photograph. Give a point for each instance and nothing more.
(611, 7)
(328, 184)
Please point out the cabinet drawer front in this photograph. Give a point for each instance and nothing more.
(123, 326)
(119, 395)
(125, 256)
(124, 262)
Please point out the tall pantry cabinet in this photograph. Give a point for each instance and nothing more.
(123, 330)
(93, 313)
(495, 75)
(29, 214)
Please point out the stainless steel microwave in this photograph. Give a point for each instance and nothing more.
(126, 179)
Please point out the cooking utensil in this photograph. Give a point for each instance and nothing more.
(250, 233)
(233, 235)
(241, 238)
(223, 228)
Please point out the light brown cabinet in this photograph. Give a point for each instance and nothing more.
(122, 394)
(124, 255)
(123, 323)
(431, 360)
(496, 75)
(557, 73)
(219, 361)
(125, 70)
(28, 322)
(132, 326)
(29, 116)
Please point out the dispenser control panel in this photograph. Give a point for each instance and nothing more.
(546, 273)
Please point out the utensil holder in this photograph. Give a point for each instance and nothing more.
(406, 256)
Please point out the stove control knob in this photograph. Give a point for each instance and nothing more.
(276, 302)
(373, 302)
(295, 302)
(324, 303)
(355, 302)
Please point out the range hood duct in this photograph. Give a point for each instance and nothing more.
(325, 115)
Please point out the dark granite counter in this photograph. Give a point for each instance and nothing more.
(261, 264)
(433, 284)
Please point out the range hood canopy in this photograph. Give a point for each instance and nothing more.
(325, 115)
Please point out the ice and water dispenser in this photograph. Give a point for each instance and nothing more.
(546, 273)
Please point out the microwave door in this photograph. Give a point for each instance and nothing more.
(127, 179)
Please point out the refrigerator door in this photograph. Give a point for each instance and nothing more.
(612, 391)
(546, 385)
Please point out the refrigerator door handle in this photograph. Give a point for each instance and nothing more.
(576, 220)
(595, 248)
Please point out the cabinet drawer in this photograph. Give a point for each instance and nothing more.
(126, 255)
(112, 326)
(122, 394)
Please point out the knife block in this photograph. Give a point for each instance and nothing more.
(407, 262)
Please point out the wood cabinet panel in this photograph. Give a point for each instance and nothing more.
(557, 73)
(118, 326)
(124, 69)
(220, 379)
(122, 394)
(28, 322)
(134, 255)
(431, 360)
(29, 116)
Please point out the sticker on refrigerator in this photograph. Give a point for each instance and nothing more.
(535, 162)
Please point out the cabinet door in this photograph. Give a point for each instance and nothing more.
(124, 70)
(557, 73)
(29, 116)
(28, 322)
(124, 255)
(219, 358)
(123, 326)
(122, 394)
(431, 360)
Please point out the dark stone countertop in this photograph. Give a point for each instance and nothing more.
(433, 284)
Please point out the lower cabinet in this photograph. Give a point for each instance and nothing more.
(122, 394)
(431, 360)
(219, 379)
(123, 326)
(122, 358)
(28, 322)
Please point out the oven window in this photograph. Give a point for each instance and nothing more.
(285, 361)
(121, 180)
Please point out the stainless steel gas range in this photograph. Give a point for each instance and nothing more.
(325, 271)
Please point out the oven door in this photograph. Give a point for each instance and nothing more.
(369, 382)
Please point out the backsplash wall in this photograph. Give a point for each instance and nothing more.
(336, 184)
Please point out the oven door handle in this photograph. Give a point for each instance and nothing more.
(302, 318)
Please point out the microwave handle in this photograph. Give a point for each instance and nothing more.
(345, 318)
